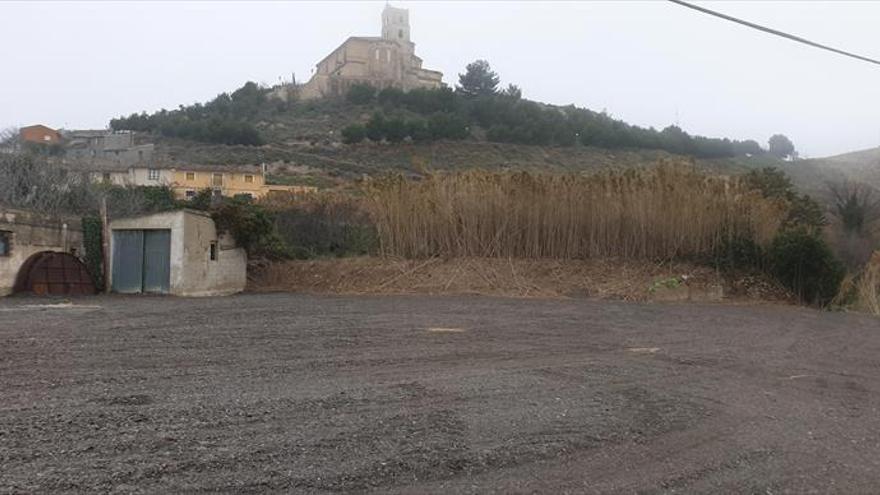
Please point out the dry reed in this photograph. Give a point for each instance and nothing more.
(670, 211)
(867, 287)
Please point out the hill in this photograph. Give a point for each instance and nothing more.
(309, 141)
(859, 166)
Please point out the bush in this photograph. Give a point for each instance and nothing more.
(739, 253)
(354, 134)
(376, 127)
(395, 130)
(93, 236)
(361, 94)
(803, 211)
(326, 226)
(251, 225)
(802, 261)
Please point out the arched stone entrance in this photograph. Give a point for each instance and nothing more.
(54, 273)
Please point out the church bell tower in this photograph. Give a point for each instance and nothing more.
(395, 24)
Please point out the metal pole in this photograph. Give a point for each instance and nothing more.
(105, 244)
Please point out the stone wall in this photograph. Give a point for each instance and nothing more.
(31, 233)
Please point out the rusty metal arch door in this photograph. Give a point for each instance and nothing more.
(56, 274)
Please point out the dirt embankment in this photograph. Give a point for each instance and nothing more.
(602, 279)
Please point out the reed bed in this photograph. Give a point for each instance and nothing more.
(670, 211)
(866, 287)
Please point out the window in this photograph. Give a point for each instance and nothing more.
(5, 242)
(141, 155)
(190, 194)
(213, 251)
(153, 174)
(377, 54)
(217, 179)
(105, 178)
(249, 179)
(47, 138)
(388, 55)
(190, 176)
(400, 33)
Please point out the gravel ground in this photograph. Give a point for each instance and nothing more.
(295, 393)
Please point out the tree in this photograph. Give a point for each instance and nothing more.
(857, 206)
(781, 146)
(478, 80)
(512, 91)
(9, 137)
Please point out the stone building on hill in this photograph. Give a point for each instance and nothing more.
(381, 61)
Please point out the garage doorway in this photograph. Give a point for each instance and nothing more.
(141, 261)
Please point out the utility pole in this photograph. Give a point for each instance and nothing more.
(105, 245)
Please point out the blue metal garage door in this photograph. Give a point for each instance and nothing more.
(128, 261)
(141, 261)
(157, 261)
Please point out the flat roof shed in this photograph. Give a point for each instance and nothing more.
(177, 252)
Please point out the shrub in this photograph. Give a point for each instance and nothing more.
(801, 260)
(418, 130)
(354, 134)
(375, 128)
(93, 236)
(395, 130)
(803, 211)
(251, 225)
(326, 225)
(361, 94)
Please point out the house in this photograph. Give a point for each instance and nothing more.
(382, 61)
(186, 180)
(40, 253)
(39, 134)
(105, 147)
(178, 252)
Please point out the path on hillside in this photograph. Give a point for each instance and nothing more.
(295, 393)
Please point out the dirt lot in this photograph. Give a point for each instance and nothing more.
(293, 393)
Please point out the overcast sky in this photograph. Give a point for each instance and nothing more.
(651, 63)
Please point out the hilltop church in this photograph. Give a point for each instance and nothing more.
(384, 61)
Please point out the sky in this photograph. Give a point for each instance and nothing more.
(651, 63)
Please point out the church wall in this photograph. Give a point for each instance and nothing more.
(381, 62)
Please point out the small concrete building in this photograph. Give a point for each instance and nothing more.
(177, 252)
(26, 234)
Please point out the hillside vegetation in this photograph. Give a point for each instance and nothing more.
(476, 111)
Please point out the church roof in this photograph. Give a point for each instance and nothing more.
(354, 38)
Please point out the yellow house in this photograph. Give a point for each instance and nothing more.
(186, 180)
(226, 180)
(247, 180)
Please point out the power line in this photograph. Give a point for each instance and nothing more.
(774, 31)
